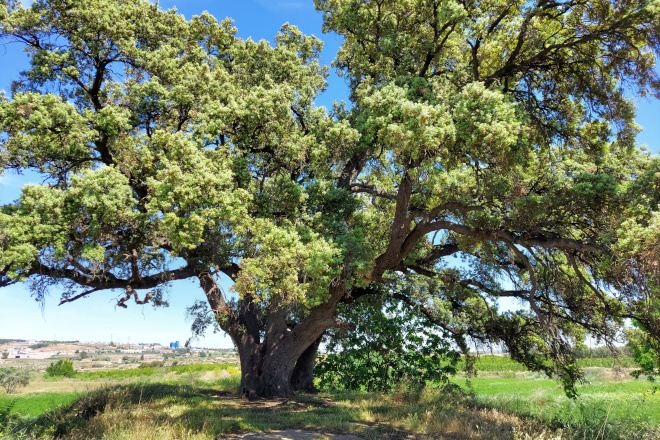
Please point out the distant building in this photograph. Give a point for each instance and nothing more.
(26, 353)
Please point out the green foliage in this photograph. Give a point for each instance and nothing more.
(603, 352)
(5, 413)
(150, 369)
(494, 132)
(152, 364)
(11, 378)
(5, 354)
(391, 345)
(645, 348)
(63, 368)
(647, 358)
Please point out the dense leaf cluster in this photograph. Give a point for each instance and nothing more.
(390, 346)
(61, 368)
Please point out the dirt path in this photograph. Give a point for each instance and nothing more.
(295, 434)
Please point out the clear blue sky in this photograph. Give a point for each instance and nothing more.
(96, 318)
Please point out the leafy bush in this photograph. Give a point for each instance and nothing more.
(152, 364)
(391, 345)
(63, 368)
(11, 378)
(5, 354)
(5, 413)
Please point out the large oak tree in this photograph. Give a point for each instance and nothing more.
(487, 151)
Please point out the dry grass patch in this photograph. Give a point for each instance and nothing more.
(178, 411)
(441, 414)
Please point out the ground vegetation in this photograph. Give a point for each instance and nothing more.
(203, 402)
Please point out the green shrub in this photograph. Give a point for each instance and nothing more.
(63, 368)
(5, 415)
(153, 364)
(11, 378)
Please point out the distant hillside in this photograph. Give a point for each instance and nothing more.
(7, 341)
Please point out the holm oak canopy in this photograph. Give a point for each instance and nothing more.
(487, 151)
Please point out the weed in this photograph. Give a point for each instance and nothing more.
(5, 413)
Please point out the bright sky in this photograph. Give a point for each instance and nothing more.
(96, 318)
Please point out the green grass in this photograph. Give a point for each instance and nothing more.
(491, 363)
(175, 411)
(622, 361)
(174, 402)
(38, 403)
(612, 407)
(134, 373)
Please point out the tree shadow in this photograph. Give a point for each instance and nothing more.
(214, 412)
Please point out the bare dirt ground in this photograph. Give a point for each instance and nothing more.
(294, 434)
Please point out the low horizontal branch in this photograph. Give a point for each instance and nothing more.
(369, 189)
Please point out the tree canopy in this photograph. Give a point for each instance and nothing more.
(487, 151)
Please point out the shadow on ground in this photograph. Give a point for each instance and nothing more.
(203, 411)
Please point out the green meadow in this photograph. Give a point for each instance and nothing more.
(199, 401)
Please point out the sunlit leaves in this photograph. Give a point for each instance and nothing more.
(290, 265)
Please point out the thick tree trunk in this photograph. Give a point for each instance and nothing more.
(276, 359)
(268, 372)
(280, 369)
(302, 378)
(263, 382)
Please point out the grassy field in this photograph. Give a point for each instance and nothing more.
(37, 404)
(199, 402)
(605, 408)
